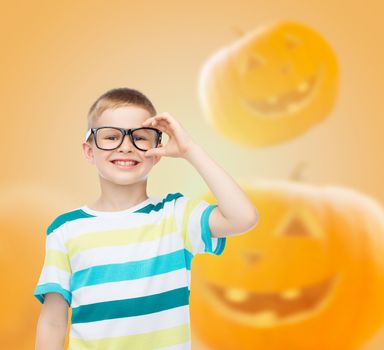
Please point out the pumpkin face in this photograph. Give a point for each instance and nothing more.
(269, 86)
(313, 265)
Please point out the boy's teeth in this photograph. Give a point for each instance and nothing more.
(125, 162)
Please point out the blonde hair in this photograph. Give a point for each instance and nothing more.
(117, 98)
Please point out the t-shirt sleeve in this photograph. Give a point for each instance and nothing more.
(56, 272)
(192, 215)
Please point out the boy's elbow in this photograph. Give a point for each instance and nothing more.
(252, 221)
(246, 224)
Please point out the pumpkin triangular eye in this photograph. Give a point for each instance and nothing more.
(250, 257)
(300, 223)
(291, 41)
(296, 228)
(255, 61)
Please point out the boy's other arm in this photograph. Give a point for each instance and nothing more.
(52, 323)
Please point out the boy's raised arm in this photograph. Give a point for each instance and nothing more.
(52, 323)
(235, 212)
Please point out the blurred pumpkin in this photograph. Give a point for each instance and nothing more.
(270, 85)
(25, 213)
(310, 275)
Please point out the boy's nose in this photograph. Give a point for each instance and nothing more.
(126, 144)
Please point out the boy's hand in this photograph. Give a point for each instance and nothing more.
(179, 142)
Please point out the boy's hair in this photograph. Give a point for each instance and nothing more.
(119, 97)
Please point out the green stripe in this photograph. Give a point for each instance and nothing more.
(144, 341)
(42, 289)
(63, 218)
(206, 233)
(130, 307)
(156, 207)
(179, 259)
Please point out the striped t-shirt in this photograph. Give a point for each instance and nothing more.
(126, 274)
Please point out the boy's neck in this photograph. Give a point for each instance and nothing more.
(115, 197)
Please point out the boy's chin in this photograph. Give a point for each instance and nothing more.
(123, 181)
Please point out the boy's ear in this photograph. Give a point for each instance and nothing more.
(87, 150)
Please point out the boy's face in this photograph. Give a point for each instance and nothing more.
(123, 117)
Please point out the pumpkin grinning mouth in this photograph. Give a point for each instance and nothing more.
(289, 102)
(268, 309)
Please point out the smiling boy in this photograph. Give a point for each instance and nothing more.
(123, 262)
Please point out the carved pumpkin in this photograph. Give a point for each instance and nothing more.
(269, 86)
(310, 275)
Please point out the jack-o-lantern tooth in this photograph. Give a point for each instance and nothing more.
(290, 294)
(265, 318)
(272, 100)
(303, 87)
(236, 295)
(292, 108)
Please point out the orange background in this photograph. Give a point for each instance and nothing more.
(57, 58)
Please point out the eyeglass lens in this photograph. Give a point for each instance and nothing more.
(109, 138)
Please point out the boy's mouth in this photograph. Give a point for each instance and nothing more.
(125, 164)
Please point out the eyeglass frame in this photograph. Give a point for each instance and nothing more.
(93, 131)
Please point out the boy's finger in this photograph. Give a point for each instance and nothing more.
(147, 121)
(150, 153)
(156, 152)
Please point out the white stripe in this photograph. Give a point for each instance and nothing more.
(54, 241)
(130, 252)
(215, 241)
(131, 325)
(51, 274)
(131, 288)
(178, 210)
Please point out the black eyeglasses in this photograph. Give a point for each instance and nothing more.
(109, 138)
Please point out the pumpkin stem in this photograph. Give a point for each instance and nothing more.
(296, 174)
(238, 31)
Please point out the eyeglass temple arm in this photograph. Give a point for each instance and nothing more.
(88, 134)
